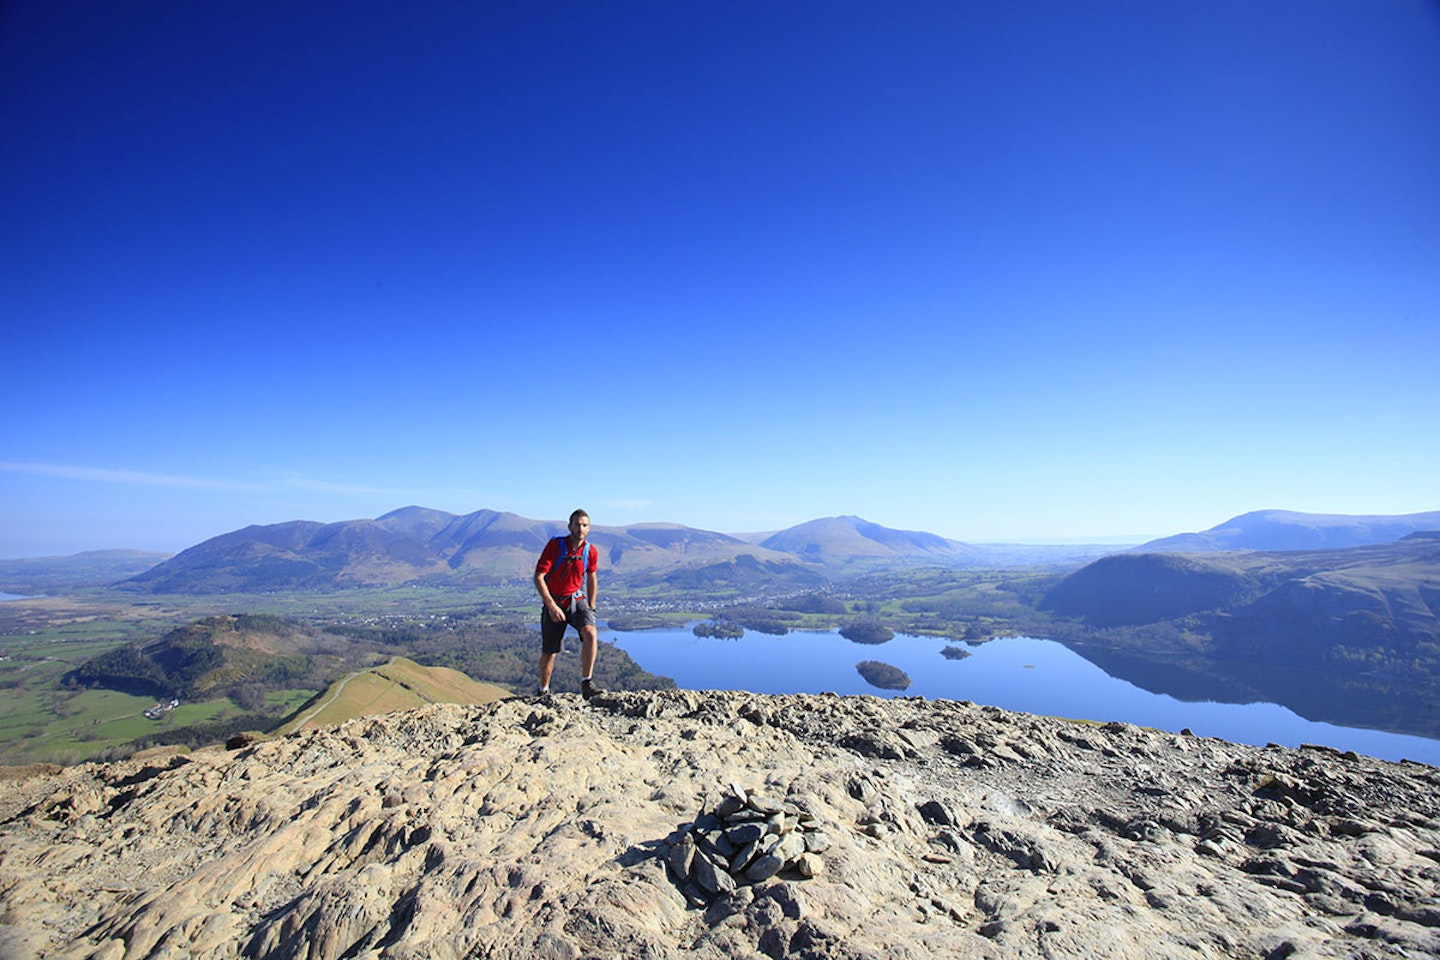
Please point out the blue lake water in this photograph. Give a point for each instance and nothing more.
(1033, 676)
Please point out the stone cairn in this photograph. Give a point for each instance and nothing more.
(745, 839)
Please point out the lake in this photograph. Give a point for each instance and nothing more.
(1017, 673)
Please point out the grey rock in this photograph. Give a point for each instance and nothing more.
(746, 855)
(933, 811)
(764, 867)
(766, 805)
(729, 806)
(710, 876)
(817, 841)
(745, 834)
(681, 858)
(791, 845)
(809, 865)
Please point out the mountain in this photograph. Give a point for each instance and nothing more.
(418, 544)
(900, 828)
(94, 568)
(1129, 589)
(1374, 608)
(847, 538)
(1287, 530)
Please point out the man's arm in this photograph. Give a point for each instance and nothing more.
(551, 607)
(592, 587)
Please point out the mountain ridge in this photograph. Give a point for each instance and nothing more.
(413, 544)
(1293, 530)
(850, 537)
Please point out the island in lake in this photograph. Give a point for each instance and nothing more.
(883, 675)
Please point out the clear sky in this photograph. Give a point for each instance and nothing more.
(996, 270)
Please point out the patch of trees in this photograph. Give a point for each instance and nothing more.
(867, 630)
(814, 603)
(953, 652)
(629, 623)
(883, 675)
(125, 669)
(194, 663)
(759, 619)
(719, 630)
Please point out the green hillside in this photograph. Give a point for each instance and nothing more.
(218, 657)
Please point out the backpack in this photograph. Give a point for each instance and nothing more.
(564, 554)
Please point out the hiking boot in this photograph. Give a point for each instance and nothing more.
(588, 689)
(543, 697)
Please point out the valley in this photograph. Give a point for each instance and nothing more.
(1349, 636)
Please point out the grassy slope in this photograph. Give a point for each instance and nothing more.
(400, 684)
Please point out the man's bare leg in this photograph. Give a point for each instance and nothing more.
(547, 667)
(589, 646)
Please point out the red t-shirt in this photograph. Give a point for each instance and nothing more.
(566, 579)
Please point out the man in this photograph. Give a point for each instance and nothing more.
(565, 579)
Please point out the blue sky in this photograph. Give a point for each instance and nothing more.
(1000, 271)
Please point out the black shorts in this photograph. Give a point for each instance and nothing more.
(552, 633)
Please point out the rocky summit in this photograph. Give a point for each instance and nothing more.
(682, 823)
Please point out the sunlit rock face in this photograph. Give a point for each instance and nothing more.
(826, 826)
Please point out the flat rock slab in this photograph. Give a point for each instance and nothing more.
(520, 829)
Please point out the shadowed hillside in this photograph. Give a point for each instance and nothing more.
(1343, 635)
(1143, 588)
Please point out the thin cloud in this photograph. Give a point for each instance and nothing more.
(139, 478)
(134, 478)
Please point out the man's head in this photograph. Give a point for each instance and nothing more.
(579, 524)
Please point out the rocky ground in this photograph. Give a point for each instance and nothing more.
(519, 829)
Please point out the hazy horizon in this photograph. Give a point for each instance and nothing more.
(1020, 272)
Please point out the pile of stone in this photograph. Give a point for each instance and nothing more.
(747, 838)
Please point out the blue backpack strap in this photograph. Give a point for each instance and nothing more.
(564, 553)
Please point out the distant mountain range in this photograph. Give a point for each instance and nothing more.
(419, 545)
(841, 539)
(415, 544)
(1287, 530)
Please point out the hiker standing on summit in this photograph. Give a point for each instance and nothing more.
(565, 579)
